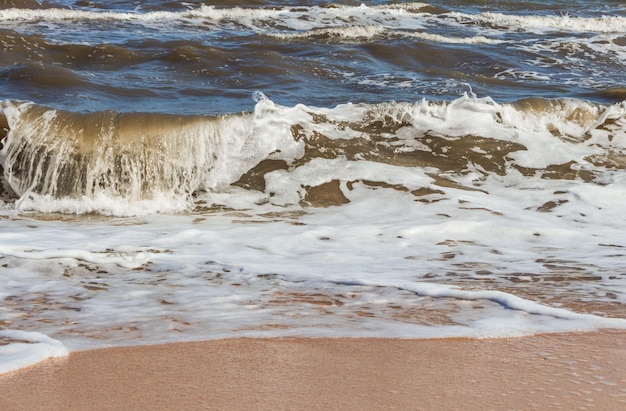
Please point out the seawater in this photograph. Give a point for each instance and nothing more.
(178, 171)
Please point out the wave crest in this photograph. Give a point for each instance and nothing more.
(161, 162)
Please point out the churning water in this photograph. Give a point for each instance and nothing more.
(193, 170)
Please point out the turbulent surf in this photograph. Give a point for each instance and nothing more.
(191, 170)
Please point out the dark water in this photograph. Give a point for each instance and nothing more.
(208, 57)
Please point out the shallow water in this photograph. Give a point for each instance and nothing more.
(178, 171)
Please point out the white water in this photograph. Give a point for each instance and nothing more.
(376, 267)
(27, 348)
(479, 259)
(349, 21)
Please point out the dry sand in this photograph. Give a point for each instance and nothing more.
(546, 372)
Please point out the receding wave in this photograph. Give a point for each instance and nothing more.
(300, 154)
(454, 40)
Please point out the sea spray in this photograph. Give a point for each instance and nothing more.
(134, 157)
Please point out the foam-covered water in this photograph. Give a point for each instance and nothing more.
(191, 171)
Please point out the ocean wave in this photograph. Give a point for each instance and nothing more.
(354, 32)
(564, 23)
(370, 32)
(134, 158)
(405, 16)
(453, 40)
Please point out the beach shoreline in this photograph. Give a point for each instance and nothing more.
(548, 371)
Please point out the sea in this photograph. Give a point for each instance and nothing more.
(194, 170)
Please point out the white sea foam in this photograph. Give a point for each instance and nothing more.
(394, 14)
(353, 32)
(520, 74)
(604, 24)
(369, 32)
(214, 278)
(453, 40)
(343, 21)
(123, 259)
(20, 349)
(575, 52)
(415, 252)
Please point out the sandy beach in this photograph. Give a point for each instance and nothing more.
(555, 371)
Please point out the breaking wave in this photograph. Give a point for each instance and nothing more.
(304, 18)
(121, 163)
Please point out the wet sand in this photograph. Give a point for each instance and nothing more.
(557, 371)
